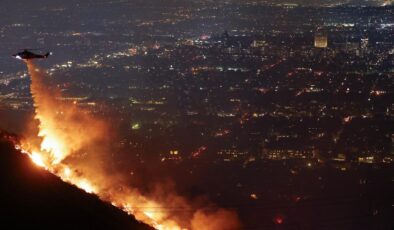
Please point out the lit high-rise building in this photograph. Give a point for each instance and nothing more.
(364, 43)
(321, 40)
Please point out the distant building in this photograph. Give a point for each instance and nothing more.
(286, 154)
(321, 40)
(364, 43)
(258, 43)
(364, 46)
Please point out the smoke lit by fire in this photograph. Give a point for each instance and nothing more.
(69, 144)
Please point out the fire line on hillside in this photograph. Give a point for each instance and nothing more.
(65, 130)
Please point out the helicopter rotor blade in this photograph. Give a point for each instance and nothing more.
(32, 49)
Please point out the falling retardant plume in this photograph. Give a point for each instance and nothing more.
(64, 129)
(73, 144)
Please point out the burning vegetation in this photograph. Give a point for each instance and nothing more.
(72, 144)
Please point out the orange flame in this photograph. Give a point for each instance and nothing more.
(66, 130)
(37, 159)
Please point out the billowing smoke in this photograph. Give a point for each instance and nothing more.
(218, 219)
(73, 144)
(63, 127)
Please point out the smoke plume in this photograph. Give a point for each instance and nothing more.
(73, 144)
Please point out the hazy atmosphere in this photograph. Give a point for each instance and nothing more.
(199, 115)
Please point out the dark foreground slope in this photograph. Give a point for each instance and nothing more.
(33, 198)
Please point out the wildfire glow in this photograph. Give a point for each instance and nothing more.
(66, 130)
(51, 145)
(85, 185)
(37, 159)
(67, 172)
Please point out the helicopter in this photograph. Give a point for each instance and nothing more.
(27, 54)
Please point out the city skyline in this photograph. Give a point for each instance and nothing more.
(270, 114)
